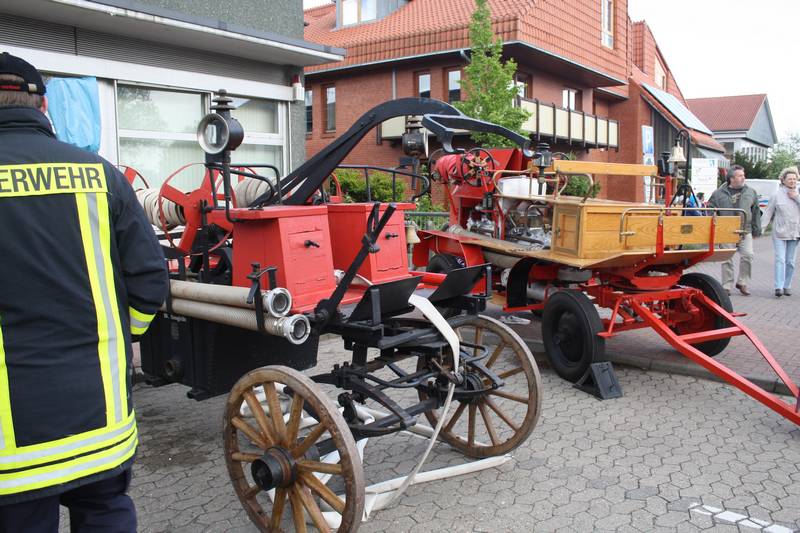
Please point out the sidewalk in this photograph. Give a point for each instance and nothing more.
(775, 321)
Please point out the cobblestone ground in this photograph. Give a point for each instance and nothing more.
(676, 453)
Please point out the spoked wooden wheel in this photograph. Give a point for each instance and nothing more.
(500, 420)
(290, 461)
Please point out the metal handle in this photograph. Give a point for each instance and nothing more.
(309, 243)
(661, 210)
(392, 235)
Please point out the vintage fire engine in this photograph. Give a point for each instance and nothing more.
(568, 257)
(264, 265)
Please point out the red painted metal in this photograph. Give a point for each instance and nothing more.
(347, 223)
(296, 240)
(194, 206)
(722, 371)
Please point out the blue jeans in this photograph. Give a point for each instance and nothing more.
(784, 262)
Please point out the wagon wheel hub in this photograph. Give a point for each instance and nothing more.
(276, 468)
(472, 383)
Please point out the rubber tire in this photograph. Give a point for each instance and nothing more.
(587, 325)
(444, 264)
(713, 290)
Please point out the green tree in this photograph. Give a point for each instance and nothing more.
(489, 82)
(785, 154)
(753, 169)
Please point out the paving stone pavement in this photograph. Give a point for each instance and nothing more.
(676, 453)
(776, 322)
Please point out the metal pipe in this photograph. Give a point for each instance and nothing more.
(278, 301)
(295, 328)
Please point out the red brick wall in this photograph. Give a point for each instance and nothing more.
(356, 94)
(573, 31)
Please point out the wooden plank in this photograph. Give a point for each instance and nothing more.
(591, 167)
(679, 230)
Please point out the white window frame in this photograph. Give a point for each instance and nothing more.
(569, 98)
(258, 138)
(447, 82)
(607, 23)
(356, 9)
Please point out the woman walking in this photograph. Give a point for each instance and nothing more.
(783, 211)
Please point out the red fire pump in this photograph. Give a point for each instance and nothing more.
(262, 265)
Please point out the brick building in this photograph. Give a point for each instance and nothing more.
(590, 77)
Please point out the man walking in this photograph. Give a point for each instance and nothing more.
(81, 272)
(735, 194)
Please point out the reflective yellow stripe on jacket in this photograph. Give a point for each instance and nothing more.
(139, 321)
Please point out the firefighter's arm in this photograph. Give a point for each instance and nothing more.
(144, 269)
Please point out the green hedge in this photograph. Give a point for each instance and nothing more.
(354, 187)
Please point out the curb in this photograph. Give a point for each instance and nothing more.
(773, 385)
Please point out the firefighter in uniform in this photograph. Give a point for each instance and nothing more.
(81, 272)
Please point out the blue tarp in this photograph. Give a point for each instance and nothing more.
(74, 108)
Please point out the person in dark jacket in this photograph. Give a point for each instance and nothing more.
(736, 195)
(81, 273)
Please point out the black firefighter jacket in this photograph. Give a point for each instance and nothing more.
(80, 271)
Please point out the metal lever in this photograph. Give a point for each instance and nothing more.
(392, 235)
(309, 243)
(326, 309)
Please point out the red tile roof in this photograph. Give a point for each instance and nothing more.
(428, 26)
(727, 113)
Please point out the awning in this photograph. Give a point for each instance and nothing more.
(710, 154)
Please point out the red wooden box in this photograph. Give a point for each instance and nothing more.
(296, 240)
(348, 224)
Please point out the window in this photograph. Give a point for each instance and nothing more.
(523, 84)
(453, 85)
(330, 108)
(568, 98)
(263, 137)
(660, 75)
(349, 12)
(309, 111)
(424, 84)
(356, 11)
(369, 10)
(607, 22)
(157, 132)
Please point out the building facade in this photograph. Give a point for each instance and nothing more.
(740, 123)
(583, 73)
(157, 64)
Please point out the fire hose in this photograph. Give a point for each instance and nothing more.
(277, 301)
(245, 192)
(228, 305)
(294, 328)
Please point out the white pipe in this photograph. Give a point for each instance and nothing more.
(295, 328)
(277, 301)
